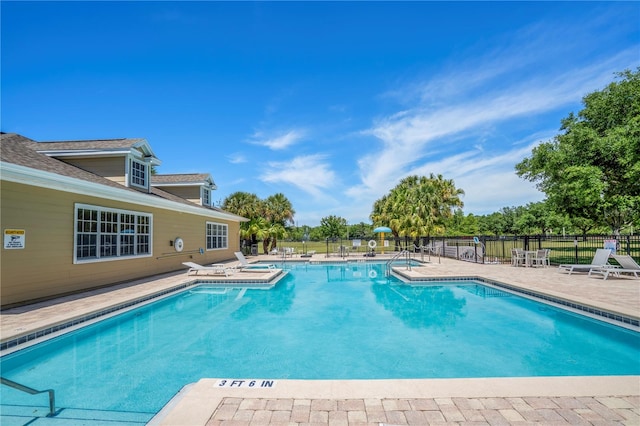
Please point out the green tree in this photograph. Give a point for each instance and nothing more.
(361, 231)
(267, 218)
(333, 227)
(278, 211)
(591, 171)
(417, 206)
(273, 232)
(249, 206)
(243, 204)
(459, 224)
(493, 224)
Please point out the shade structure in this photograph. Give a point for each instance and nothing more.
(381, 229)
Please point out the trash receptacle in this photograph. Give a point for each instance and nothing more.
(254, 249)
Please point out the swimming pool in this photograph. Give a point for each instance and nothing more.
(344, 321)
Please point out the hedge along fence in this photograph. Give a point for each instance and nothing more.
(564, 249)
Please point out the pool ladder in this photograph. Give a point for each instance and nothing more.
(404, 253)
(27, 389)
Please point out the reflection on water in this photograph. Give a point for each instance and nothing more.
(421, 307)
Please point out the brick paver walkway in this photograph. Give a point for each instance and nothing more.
(624, 410)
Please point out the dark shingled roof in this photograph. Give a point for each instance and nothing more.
(194, 178)
(17, 149)
(100, 144)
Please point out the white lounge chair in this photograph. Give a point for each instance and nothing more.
(216, 269)
(627, 265)
(600, 260)
(245, 265)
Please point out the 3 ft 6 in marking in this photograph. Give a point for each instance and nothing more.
(246, 383)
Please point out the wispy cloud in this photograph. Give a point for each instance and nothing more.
(418, 138)
(236, 158)
(279, 140)
(310, 173)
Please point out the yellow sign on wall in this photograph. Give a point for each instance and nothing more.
(14, 239)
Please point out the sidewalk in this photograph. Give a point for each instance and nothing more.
(462, 411)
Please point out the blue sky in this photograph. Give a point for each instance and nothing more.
(330, 103)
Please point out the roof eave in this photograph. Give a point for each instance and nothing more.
(28, 176)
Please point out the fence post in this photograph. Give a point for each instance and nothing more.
(629, 245)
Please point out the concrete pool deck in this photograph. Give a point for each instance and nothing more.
(565, 400)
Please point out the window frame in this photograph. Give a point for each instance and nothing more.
(134, 172)
(219, 237)
(205, 196)
(111, 234)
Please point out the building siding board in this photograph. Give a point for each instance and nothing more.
(189, 193)
(112, 168)
(45, 267)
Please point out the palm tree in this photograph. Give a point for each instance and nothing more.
(254, 230)
(243, 204)
(274, 232)
(267, 218)
(278, 211)
(246, 205)
(417, 206)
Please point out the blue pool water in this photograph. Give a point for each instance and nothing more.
(320, 322)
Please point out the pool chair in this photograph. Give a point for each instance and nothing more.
(217, 269)
(541, 258)
(600, 260)
(518, 257)
(627, 266)
(246, 266)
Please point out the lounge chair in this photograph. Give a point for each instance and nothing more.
(600, 260)
(627, 265)
(245, 265)
(216, 269)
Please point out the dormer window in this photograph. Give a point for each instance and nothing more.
(206, 196)
(139, 174)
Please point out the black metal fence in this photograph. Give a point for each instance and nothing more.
(573, 249)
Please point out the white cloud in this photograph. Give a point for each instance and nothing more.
(411, 136)
(488, 179)
(448, 120)
(236, 158)
(310, 173)
(279, 141)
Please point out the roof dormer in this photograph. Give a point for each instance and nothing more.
(125, 161)
(195, 187)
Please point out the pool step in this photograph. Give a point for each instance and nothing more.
(14, 415)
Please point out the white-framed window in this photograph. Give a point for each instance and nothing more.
(217, 236)
(139, 173)
(103, 233)
(206, 196)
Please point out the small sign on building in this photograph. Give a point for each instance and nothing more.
(14, 239)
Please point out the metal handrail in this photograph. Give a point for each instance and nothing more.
(27, 389)
(406, 253)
